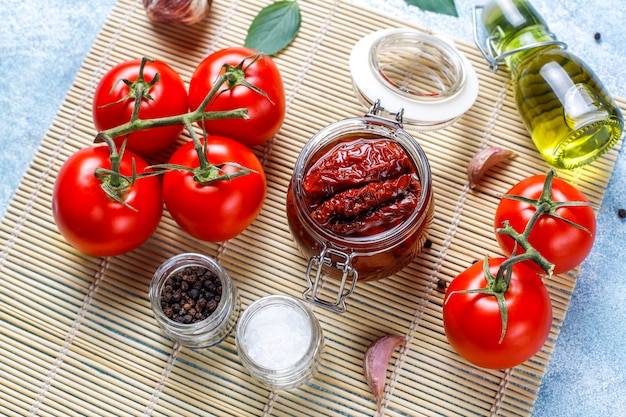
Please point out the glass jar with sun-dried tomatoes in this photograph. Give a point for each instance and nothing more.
(360, 200)
(359, 204)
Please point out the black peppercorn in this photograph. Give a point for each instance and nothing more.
(182, 299)
(621, 213)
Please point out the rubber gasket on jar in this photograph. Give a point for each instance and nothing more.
(423, 74)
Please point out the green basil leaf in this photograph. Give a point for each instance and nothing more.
(437, 6)
(274, 27)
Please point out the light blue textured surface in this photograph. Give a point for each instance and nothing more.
(43, 43)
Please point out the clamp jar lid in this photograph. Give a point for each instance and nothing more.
(423, 74)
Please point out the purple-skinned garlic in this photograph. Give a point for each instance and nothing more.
(484, 160)
(376, 361)
(185, 12)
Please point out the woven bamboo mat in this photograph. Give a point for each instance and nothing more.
(77, 336)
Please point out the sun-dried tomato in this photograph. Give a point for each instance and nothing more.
(377, 220)
(353, 164)
(364, 210)
(362, 187)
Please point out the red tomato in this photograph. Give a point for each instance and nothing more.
(221, 209)
(112, 105)
(473, 324)
(93, 222)
(560, 243)
(265, 114)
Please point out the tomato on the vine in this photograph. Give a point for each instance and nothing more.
(114, 102)
(220, 209)
(560, 242)
(473, 323)
(92, 221)
(266, 108)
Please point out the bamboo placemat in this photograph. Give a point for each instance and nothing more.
(77, 336)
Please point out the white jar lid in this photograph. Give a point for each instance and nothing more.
(423, 75)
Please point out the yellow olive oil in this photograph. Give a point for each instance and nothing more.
(569, 114)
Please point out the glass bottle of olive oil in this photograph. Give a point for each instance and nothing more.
(570, 116)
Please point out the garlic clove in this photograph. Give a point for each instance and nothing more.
(484, 160)
(185, 12)
(376, 360)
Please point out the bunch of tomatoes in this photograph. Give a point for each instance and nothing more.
(497, 313)
(107, 200)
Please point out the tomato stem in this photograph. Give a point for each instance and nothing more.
(194, 116)
(113, 183)
(137, 89)
(237, 76)
(496, 287)
(545, 205)
(140, 90)
(136, 123)
(530, 253)
(199, 146)
(115, 157)
(206, 173)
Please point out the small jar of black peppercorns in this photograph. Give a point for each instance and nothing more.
(194, 300)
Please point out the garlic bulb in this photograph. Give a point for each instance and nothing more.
(186, 12)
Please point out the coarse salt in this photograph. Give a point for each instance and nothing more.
(277, 336)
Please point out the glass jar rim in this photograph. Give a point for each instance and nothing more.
(371, 125)
(450, 72)
(422, 111)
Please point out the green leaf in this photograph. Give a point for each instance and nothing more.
(274, 27)
(437, 6)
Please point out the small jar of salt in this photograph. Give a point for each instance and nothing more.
(279, 341)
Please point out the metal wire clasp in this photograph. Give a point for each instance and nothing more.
(377, 109)
(491, 55)
(316, 264)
